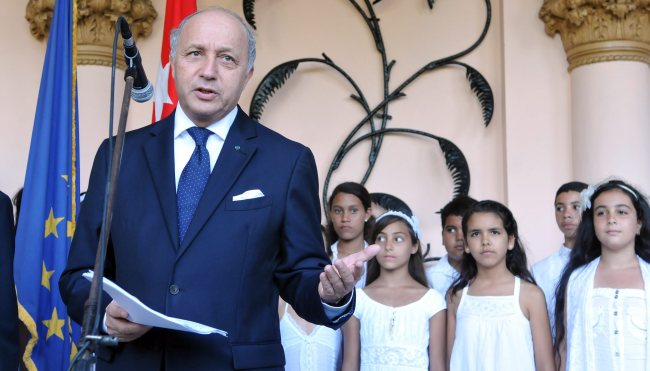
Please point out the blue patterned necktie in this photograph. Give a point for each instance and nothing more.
(193, 180)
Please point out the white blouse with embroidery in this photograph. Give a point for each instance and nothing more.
(396, 338)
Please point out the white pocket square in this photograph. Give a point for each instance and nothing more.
(250, 194)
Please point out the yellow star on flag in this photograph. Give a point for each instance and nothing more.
(50, 224)
(73, 350)
(46, 276)
(54, 326)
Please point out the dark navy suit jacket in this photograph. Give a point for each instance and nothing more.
(236, 259)
(8, 304)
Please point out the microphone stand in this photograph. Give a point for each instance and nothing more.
(90, 337)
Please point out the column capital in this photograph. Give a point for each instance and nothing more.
(594, 31)
(95, 25)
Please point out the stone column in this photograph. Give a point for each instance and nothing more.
(607, 44)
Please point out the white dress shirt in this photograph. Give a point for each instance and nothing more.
(441, 275)
(547, 274)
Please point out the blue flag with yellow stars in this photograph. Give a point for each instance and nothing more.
(50, 202)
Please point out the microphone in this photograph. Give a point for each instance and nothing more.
(142, 88)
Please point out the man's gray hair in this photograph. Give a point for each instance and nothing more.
(176, 33)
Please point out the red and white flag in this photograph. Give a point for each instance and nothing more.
(165, 98)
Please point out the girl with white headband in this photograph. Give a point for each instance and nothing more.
(398, 323)
(602, 305)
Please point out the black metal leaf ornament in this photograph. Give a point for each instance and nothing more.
(373, 124)
(457, 165)
(481, 88)
(249, 12)
(454, 157)
(270, 83)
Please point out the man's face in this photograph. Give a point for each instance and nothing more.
(568, 213)
(210, 66)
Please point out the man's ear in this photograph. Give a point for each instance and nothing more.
(249, 74)
(171, 66)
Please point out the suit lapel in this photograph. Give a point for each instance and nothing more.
(235, 154)
(159, 152)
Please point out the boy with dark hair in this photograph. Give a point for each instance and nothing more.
(445, 271)
(568, 212)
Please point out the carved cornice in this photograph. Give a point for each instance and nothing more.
(595, 31)
(95, 25)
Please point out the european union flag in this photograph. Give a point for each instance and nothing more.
(50, 202)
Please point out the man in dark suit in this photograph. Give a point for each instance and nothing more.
(8, 305)
(254, 234)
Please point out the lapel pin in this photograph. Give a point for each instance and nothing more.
(237, 148)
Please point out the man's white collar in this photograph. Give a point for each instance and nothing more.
(220, 127)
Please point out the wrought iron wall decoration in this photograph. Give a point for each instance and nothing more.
(454, 157)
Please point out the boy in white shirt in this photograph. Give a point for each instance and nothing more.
(441, 275)
(568, 212)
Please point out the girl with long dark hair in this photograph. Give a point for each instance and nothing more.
(602, 304)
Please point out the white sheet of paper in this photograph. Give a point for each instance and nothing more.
(142, 314)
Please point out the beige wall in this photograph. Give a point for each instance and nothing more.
(520, 159)
(537, 108)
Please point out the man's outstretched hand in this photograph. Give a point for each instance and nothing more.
(338, 280)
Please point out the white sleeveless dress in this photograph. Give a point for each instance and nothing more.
(492, 334)
(396, 338)
(320, 350)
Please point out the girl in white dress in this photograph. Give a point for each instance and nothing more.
(308, 347)
(350, 221)
(398, 323)
(496, 315)
(602, 302)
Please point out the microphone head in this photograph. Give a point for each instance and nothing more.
(124, 28)
(142, 95)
